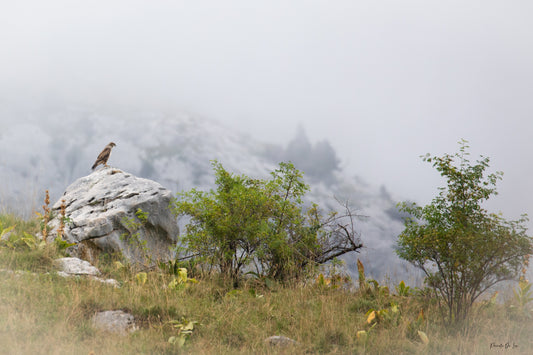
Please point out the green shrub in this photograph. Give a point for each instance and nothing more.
(262, 225)
(462, 249)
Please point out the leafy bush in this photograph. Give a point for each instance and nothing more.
(463, 249)
(262, 224)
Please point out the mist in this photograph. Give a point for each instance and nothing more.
(383, 82)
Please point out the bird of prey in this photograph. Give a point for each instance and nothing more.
(104, 155)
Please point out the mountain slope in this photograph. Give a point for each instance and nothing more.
(48, 149)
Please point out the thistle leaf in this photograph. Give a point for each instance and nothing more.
(371, 317)
(423, 337)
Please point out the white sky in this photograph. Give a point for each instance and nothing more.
(383, 81)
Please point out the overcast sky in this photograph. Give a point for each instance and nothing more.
(383, 81)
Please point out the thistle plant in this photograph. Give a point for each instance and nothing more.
(402, 290)
(62, 219)
(185, 329)
(45, 216)
(523, 295)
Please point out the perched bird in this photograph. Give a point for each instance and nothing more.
(104, 155)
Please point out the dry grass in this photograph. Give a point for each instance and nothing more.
(45, 314)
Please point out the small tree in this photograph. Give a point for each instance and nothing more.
(262, 224)
(462, 249)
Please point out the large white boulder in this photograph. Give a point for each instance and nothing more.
(102, 215)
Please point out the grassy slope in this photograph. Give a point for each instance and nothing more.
(46, 314)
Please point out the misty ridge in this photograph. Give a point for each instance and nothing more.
(49, 149)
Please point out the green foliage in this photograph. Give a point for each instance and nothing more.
(22, 241)
(463, 249)
(233, 321)
(62, 245)
(15, 238)
(262, 224)
(132, 237)
(141, 215)
(181, 280)
(390, 315)
(184, 328)
(33, 242)
(5, 231)
(522, 296)
(376, 288)
(415, 326)
(334, 275)
(174, 267)
(20, 246)
(402, 290)
(370, 286)
(141, 278)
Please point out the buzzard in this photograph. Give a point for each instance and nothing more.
(104, 155)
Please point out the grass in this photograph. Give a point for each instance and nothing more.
(42, 313)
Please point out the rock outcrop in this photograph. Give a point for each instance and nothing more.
(74, 267)
(115, 212)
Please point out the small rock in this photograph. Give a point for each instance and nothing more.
(75, 266)
(115, 322)
(111, 282)
(280, 340)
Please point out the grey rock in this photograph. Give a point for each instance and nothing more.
(70, 267)
(115, 322)
(111, 282)
(280, 340)
(100, 209)
(75, 266)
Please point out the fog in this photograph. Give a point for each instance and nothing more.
(383, 81)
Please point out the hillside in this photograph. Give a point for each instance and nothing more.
(42, 312)
(48, 149)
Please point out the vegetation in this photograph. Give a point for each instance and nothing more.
(262, 226)
(462, 249)
(42, 313)
(137, 246)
